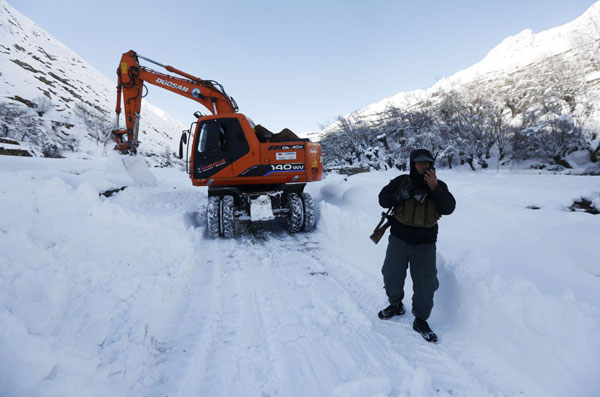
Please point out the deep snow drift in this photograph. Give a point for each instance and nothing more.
(123, 295)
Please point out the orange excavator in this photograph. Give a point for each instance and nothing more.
(251, 173)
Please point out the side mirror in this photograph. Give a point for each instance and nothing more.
(197, 114)
(182, 141)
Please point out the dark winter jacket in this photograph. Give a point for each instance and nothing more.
(444, 204)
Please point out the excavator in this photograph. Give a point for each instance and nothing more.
(251, 173)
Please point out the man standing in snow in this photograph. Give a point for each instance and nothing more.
(419, 199)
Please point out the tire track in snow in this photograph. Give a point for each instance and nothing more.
(192, 328)
(256, 375)
(208, 371)
(210, 329)
(317, 331)
(233, 354)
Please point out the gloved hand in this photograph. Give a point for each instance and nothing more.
(404, 193)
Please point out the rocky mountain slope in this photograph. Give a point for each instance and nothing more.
(53, 102)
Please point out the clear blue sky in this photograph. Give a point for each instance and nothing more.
(296, 64)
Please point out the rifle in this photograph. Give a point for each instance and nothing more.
(381, 226)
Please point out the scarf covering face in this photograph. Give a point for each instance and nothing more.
(416, 178)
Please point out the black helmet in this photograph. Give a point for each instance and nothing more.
(421, 155)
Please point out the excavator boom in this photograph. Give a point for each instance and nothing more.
(131, 78)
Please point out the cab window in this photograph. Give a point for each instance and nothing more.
(214, 137)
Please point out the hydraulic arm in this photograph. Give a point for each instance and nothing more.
(131, 79)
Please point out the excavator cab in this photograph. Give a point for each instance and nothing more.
(219, 143)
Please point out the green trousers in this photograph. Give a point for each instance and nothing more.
(423, 272)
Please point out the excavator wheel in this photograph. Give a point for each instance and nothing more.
(309, 213)
(295, 218)
(227, 224)
(212, 216)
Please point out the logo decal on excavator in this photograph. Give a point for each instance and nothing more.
(285, 147)
(196, 93)
(168, 83)
(212, 165)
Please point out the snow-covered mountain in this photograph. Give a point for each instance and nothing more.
(575, 45)
(49, 95)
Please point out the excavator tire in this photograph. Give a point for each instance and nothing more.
(212, 217)
(227, 224)
(295, 218)
(309, 213)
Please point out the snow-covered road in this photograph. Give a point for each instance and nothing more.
(276, 314)
(125, 296)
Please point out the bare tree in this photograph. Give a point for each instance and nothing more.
(550, 140)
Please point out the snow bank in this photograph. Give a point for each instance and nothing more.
(81, 277)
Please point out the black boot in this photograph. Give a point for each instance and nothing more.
(422, 327)
(391, 311)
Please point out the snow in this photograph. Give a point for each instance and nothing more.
(123, 295)
(137, 168)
